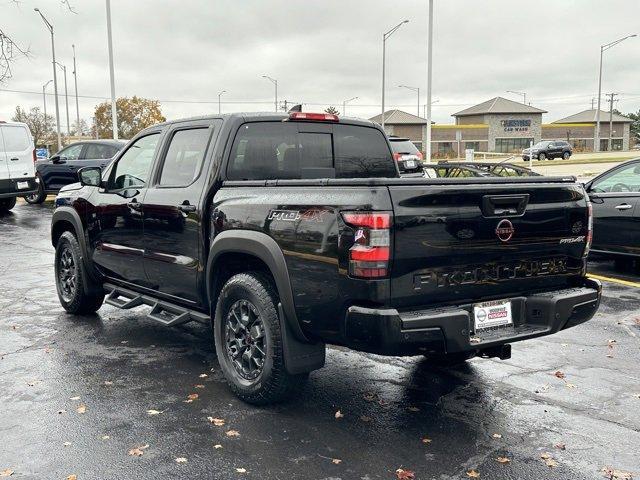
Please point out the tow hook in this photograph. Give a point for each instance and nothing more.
(503, 352)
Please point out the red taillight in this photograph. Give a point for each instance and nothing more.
(35, 157)
(420, 156)
(587, 247)
(397, 157)
(370, 253)
(316, 117)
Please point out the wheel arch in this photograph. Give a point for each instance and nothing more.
(66, 219)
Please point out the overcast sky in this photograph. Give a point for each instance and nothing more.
(325, 51)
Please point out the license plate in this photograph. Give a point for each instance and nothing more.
(22, 185)
(410, 163)
(492, 314)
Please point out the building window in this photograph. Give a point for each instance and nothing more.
(472, 145)
(445, 149)
(604, 144)
(616, 144)
(580, 145)
(418, 145)
(511, 145)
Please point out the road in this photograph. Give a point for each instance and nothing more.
(75, 396)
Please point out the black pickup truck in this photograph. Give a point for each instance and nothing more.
(287, 232)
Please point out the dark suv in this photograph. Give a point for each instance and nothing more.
(406, 155)
(548, 149)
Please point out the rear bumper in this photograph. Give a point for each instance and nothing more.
(450, 329)
(9, 187)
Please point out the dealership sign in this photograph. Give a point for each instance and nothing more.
(516, 125)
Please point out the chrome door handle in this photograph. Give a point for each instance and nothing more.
(15, 159)
(186, 208)
(624, 206)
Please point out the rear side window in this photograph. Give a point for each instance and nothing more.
(276, 150)
(184, 157)
(16, 139)
(96, 151)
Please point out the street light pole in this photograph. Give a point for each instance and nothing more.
(219, 104)
(596, 138)
(55, 78)
(344, 105)
(66, 95)
(114, 114)
(524, 95)
(417, 90)
(384, 60)
(44, 99)
(75, 80)
(275, 83)
(429, 81)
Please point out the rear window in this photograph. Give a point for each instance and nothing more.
(277, 150)
(403, 146)
(16, 139)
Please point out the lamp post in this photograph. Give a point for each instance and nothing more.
(344, 105)
(44, 99)
(114, 114)
(385, 36)
(427, 150)
(219, 104)
(55, 78)
(275, 83)
(523, 94)
(66, 96)
(75, 80)
(596, 139)
(414, 89)
(424, 108)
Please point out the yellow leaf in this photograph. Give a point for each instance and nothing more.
(199, 386)
(232, 433)
(107, 383)
(7, 472)
(82, 408)
(241, 470)
(217, 446)
(72, 477)
(496, 435)
(337, 461)
(105, 437)
(74, 398)
(426, 440)
(218, 422)
(181, 460)
(153, 412)
(138, 451)
(502, 460)
(203, 375)
(339, 414)
(191, 398)
(473, 474)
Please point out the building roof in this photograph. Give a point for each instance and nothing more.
(399, 117)
(498, 105)
(589, 116)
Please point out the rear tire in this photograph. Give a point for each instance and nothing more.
(248, 340)
(38, 197)
(542, 157)
(72, 281)
(450, 359)
(7, 204)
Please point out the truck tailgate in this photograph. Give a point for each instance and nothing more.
(473, 241)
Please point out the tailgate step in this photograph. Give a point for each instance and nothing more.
(165, 313)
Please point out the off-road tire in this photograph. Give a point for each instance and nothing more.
(542, 157)
(75, 300)
(38, 197)
(273, 383)
(450, 359)
(7, 204)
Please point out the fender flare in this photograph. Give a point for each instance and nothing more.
(265, 248)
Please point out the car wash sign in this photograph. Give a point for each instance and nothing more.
(516, 125)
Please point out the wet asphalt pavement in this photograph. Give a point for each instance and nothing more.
(119, 364)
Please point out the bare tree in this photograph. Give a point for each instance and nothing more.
(42, 128)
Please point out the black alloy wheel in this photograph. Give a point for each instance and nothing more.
(245, 339)
(67, 274)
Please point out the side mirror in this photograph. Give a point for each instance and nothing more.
(90, 176)
(58, 159)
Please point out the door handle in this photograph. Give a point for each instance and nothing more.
(15, 159)
(186, 208)
(134, 205)
(623, 206)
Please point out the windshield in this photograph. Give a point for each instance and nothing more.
(403, 146)
(541, 144)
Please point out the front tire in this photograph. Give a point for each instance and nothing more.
(248, 340)
(566, 155)
(38, 197)
(7, 204)
(542, 157)
(72, 281)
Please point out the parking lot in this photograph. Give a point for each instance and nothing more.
(115, 395)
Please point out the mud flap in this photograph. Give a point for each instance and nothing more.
(299, 357)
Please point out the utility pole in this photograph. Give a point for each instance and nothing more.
(611, 100)
(413, 89)
(429, 80)
(114, 114)
(75, 80)
(219, 104)
(44, 99)
(66, 94)
(523, 94)
(344, 105)
(55, 77)
(275, 83)
(385, 36)
(593, 101)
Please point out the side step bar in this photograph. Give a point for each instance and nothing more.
(162, 312)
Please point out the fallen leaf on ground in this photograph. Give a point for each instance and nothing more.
(181, 460)
(107, 383)
(364, 418)
(203, 375)
(496, 435)
(548, 460)
(82, 408)
(564, 344)
(336, 461)
(138, 451)
(72, 477)
(232, 433)
(339, 414)
(124, 342)
(7, 472)
(74, 398)
(402, 474)
(191, 398)
(426, 440)
(217, 446)
(67, 444)
(370, 396)
(241, 470)
(106, 437)
(570, 385)
(613, 474)
(218, 422)
(154, 412)
(559, 374)
(413, 409)
(502, 460)
(473, 474)
(199, 386)
(560, 446)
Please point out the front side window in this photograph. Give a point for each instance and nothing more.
(16, 139)
(184, 157)
(626, 179)
(132, 170)
(72, 152)
(96, 151)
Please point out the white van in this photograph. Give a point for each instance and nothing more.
(17, 169)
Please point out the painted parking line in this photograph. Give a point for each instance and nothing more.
(614, 280)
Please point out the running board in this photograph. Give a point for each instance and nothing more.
(162, 312)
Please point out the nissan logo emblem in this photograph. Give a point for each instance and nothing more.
(505, 230)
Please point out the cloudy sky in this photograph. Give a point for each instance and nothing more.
(325, 51)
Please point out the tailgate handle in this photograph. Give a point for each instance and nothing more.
(504, 205)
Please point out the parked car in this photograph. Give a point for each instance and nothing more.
(406, 155)
(61, 169)
(286, 232)
(615, 199)
(498, 169)
(17, 156)
(453, 170)
(549, 149)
